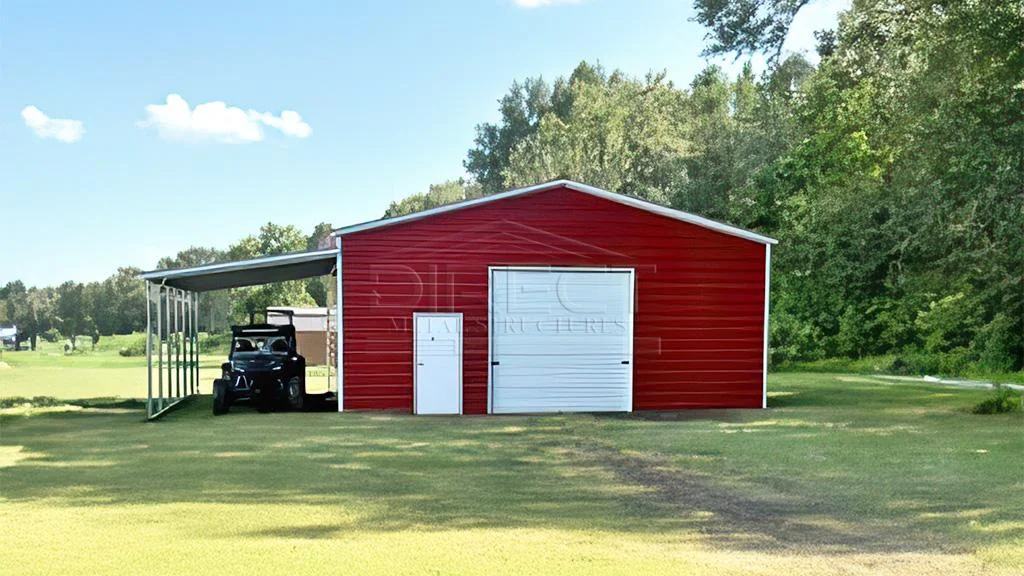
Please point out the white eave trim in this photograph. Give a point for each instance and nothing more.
(255, 263)
(620, 198)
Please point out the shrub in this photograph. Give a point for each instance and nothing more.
(913, 362)
(1003, 401)
(999, 344)
(135, 347)
(214, 343)
(949, 323)
(34, 402)
(956, 362)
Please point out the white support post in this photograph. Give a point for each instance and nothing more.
(767, 294)
(177, 345)
(170, 367)
(187, 338)
(149, 349)
(160, 346)
(177, 311)
(186, 368)
(196, 341)
(339, 326)
(189, 360)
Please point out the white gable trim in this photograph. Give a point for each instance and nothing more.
(620, 198)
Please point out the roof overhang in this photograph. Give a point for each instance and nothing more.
(614, 197)
(247, 272)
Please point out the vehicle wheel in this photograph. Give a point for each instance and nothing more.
(296, 394)
(221, 396)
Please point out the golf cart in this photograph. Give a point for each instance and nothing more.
(264, 368)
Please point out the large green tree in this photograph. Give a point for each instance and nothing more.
(319, 288)
(618, 133)
(214, 307)
(522, 109)
(272, 240)
(71, 312)
(441, 194)
(746, 27)
(31, 310)
(117, 305)
(902, 205)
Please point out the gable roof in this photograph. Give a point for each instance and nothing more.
(614, 197)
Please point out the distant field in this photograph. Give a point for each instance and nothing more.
(844, 474)
(99, 374)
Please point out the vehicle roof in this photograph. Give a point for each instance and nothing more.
(263, 330)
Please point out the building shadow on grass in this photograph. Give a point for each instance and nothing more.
(426, 474)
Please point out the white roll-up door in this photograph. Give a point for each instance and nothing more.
(561, 340)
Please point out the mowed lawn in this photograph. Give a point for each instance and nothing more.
(96, 374)
(842, 475)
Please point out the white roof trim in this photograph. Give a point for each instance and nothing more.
(254, 264)
(614, 197)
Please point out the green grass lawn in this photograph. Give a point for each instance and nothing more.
(102, 373)
(842, 475)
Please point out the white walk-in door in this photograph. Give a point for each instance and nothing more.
(437, 352)
(561, 340)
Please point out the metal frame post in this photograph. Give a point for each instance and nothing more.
(167, 311)
(187, 337)
(339, 325)
(188, 343)
(178, 310)
(195, 342)
(178, 343)
(149, 349)
(160, 346)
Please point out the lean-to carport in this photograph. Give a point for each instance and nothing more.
(172, 319)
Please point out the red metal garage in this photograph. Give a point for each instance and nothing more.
(557, 297)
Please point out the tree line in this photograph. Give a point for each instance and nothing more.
(117, 305)
(891, 172)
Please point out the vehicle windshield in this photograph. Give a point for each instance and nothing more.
(260, 344)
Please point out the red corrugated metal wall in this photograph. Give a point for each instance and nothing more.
(699, 318)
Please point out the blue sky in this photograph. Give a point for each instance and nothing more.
(98, 171)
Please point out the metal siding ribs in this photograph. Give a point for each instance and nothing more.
(699, 321)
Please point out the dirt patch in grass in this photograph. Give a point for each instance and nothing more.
(738, 520)
(676, 416)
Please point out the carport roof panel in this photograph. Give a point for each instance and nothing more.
(247, 272)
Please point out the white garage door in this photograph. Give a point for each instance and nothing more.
(561, 340)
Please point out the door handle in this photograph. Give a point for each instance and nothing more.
(419, 363)
(495, 363)
(625, 361)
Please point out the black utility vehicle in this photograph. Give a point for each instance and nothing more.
(264, 368)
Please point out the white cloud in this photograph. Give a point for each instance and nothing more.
(540, 3)
(61, 129)
(289, 122)
(176, 120)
